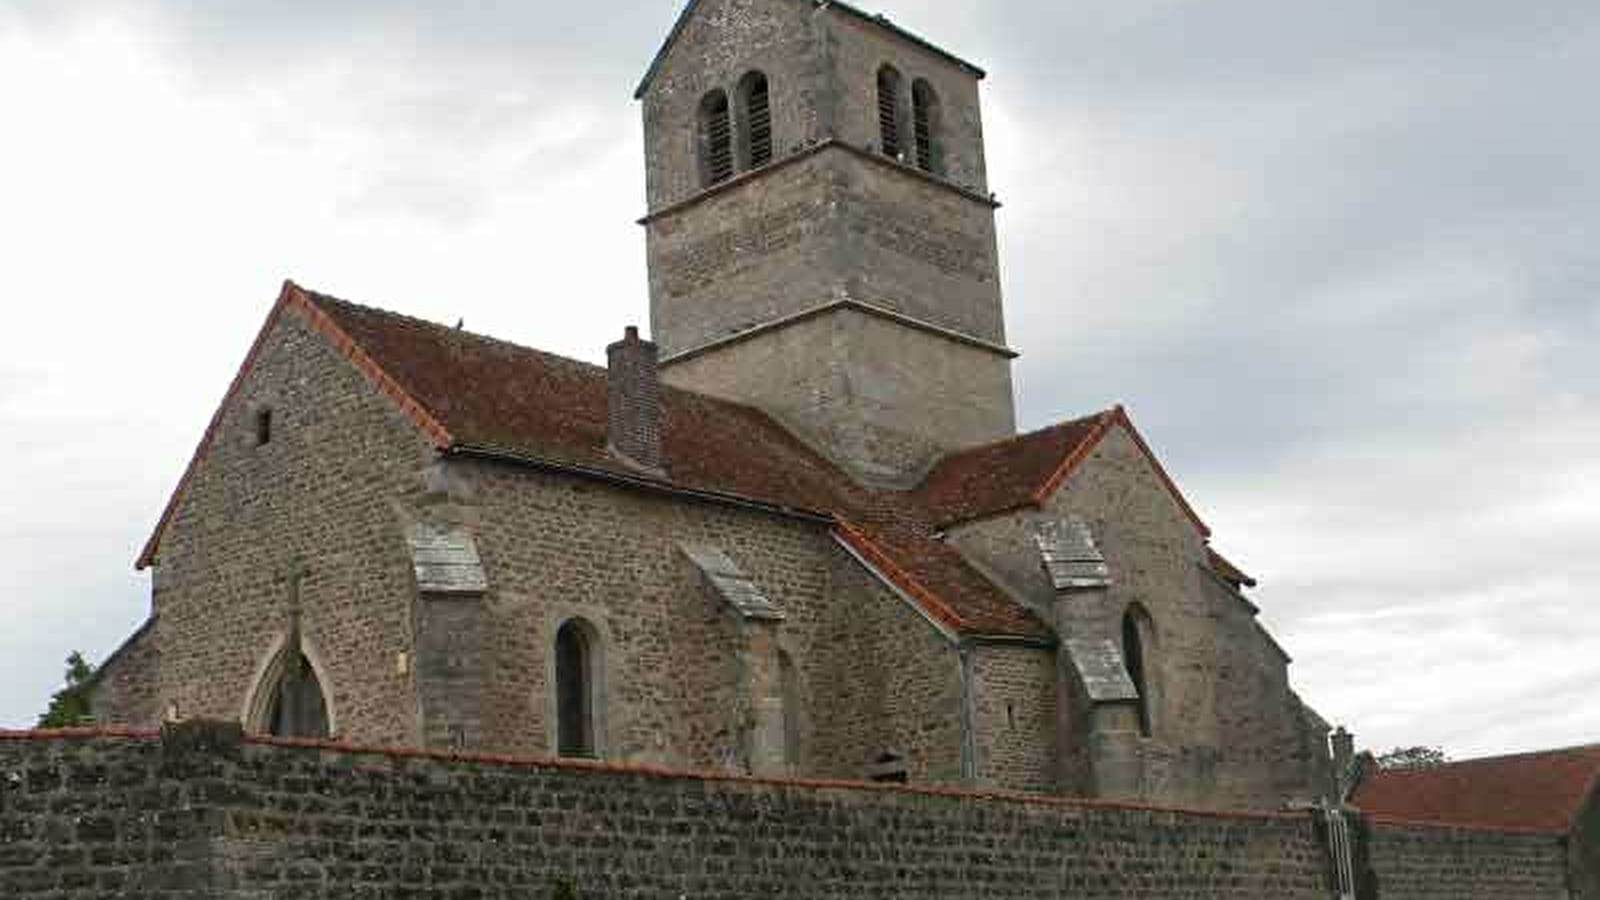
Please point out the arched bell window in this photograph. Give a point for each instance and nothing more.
(755, 121)
(926, 126)
(575, 657)
(890, 140)
(1136, 631)
(716, 139)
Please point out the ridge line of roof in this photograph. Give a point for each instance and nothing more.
(505, 344)
(1503, 757)
(1079, 453)
(147, 555)
(292, 295)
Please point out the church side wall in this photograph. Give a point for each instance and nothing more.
(1155, 553)
(893, 683)
(321, 494)
(126, 691)
(1273, 753)
(871, 672)
(1017, 720)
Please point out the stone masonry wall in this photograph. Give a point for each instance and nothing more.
(1016, 701)
(125, 691)
(866, 706)
(320, 495)
(197, 813)
(1418, 862)
(557, 547)
(884, 399)
(263, 822)
(99, 817)
(725, 40)
(1224, 719)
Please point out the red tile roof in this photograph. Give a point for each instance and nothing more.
(538, 407)
(1530, 791)
(1024, 471)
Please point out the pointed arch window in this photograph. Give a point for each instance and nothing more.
(1135, 629)
(889, 137)
(297, 707)
(575, 691)
(925, 124)
(716, 139)
(755, 117)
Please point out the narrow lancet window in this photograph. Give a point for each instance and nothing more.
(716, 139)
(263, 427)
(755, 107)
(575, 692)
(925, 119)
(1133, 654)
(889, 112)
(790, 678)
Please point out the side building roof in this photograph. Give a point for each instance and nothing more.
(1528, 791)
(1026, 470)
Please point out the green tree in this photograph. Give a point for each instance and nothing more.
(70, 705)
(1413, 758)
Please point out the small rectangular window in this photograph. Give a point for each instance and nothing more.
(263, 428)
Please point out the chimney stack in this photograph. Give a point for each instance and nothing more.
(634, 426)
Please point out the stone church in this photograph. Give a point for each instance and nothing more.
(795, 534)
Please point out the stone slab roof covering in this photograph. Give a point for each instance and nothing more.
(1530, 791)
(477, 395)
(445, 560)
(1101, 670)
(1070, 555)
(732, 584)
(1227, 571)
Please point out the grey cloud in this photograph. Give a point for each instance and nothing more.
(1326, 252)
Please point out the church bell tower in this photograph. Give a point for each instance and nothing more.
(821, 233)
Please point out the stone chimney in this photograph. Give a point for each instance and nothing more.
(634, 427)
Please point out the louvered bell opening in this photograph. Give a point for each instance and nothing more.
(889, 112)
(717, 139)
(922, 111)
(759, 110)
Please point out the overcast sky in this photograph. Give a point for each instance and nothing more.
(1341, 261)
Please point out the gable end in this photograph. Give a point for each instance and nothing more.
(292, 296)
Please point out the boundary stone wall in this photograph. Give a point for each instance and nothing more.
(1439, 862)
(199, 811)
